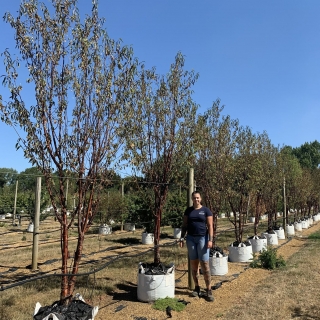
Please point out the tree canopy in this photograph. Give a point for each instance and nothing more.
(82, 81)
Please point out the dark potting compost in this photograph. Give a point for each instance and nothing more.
(76, 310)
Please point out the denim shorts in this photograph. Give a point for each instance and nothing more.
(198, 247)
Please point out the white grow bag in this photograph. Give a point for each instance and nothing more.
(258, 244)
(305, 224)
(176, 233)
(30, 227)
(290, 230)
(53, 316)
(241, 253)
(147, 238)
(105, 229)
(129, 226)
(272, 238)
(280, 233)
(153, 287)
(218, 264)
(298, 226)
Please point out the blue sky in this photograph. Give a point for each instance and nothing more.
(261, 58)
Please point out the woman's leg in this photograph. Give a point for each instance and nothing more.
(203, 254)
(195, 271)
(194, 261)
(206, 273)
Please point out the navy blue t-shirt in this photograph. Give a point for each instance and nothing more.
(197, 220)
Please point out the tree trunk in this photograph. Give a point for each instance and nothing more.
(76, 262)
(257, 215)
(64, 251)
(157, 226)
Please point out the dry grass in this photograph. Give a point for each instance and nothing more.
(290, 293)
(249, 294)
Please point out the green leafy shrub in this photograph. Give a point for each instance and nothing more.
(315, 236)
(173, 303)
(268, 259)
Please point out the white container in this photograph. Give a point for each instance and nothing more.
(290, 230)
(304, 224)
(2, 216)
(298, 226)
(280, 233)
(315, 218)
(258, 244)
(272, 238)
(129, 226)
(147, 238)
(30, 227)
(105, 229)
(176, 233)
(241, 253)
(222, 215)
(153, 287)
(310, 220)
(252, 219)
(218, 264)
(278, 214)
(231, 214)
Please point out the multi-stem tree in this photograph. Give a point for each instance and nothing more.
(161, 132)
(303, 191)
(264, 183)
(214, 153)
(314, 197)
(290, 172)
(241, 178)
(82, 81)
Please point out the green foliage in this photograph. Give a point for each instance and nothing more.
(162, 304)
(268, 259)
(30, 206)
(7, 176)
(308, 154)
(112, 206)
(24, 238)
(314, 236)
(141, 209)
(173, 210)
(28, 179)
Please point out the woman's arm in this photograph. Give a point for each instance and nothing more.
(210, 230)
(184, 226)
(183, 230)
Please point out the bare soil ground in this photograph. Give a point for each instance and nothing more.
(249, 293)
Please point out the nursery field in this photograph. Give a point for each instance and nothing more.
(111, 265)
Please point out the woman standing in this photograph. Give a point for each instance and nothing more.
(198, 224)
